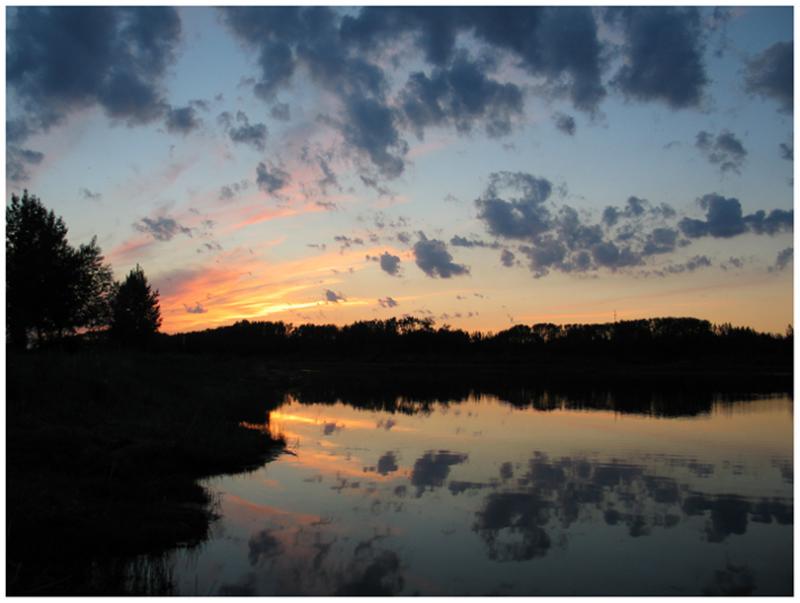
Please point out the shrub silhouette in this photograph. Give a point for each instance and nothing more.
(52, 289)
(136, 315)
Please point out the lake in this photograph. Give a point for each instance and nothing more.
(482, 497)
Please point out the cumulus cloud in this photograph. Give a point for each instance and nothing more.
(162, 228)
(784, 258)
(724, 150)
(272, 179)
(196, 309)
(61, 59)
(389, 263)
(229, 191)
(343, 52)
(529, 35)
(462, 95)
(433, 259)
(518, 207)
(507, 258)
(182, 120)
(459, 241)
(771, 75)
(333, 297)
(18, 160)
(346, 242)
(663, 50)
(724, 219)
(241, 131)
(565, 123)
(388, 302)
(520, 217)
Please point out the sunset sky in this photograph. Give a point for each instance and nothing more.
(480, 166)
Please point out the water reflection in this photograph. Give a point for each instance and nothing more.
(487, 497)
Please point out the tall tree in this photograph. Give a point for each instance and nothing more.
(52, 289)
(136, 315)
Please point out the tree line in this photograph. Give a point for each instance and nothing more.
(647, 341)
(54, 290)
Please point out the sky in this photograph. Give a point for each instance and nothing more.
(480, 166)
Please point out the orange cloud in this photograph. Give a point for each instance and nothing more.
(243, 286)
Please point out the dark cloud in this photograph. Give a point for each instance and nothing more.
(531, 36)
(162, 228)
(787, 151)
(461, 95)
(229, 191)
(182, 120)
(690, 265)
(570, 64)
(663, 52)
(558, 241)
(370, 128)
(196, 309)
(434, 260)
(333, 297)
(771, 75)
(660, 240)
(784, 258)
(521, 217)
(565, 123)
(432, 469)
(281, 112)
(329, 178)
(271, 179)
(507, 258)
(240, 130)
(459, 241)
(62, 59)
(724, 150)
(724, 219)
(289, 37)
(342, 54)
(347, 242)
(635, 208)
(390, 264)
(518, 206)
(18, 160)
(388, 302)
(89, 195)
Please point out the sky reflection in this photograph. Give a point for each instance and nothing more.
(479, 497)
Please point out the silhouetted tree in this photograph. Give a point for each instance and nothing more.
(136, 315)
(52, 289)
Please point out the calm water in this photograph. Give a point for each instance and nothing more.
(478, 497)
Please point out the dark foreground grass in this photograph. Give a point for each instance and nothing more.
(103, 455)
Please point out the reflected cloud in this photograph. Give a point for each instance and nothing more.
(262, 546)
(432, 469)
(387, 464)
(521, 521)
